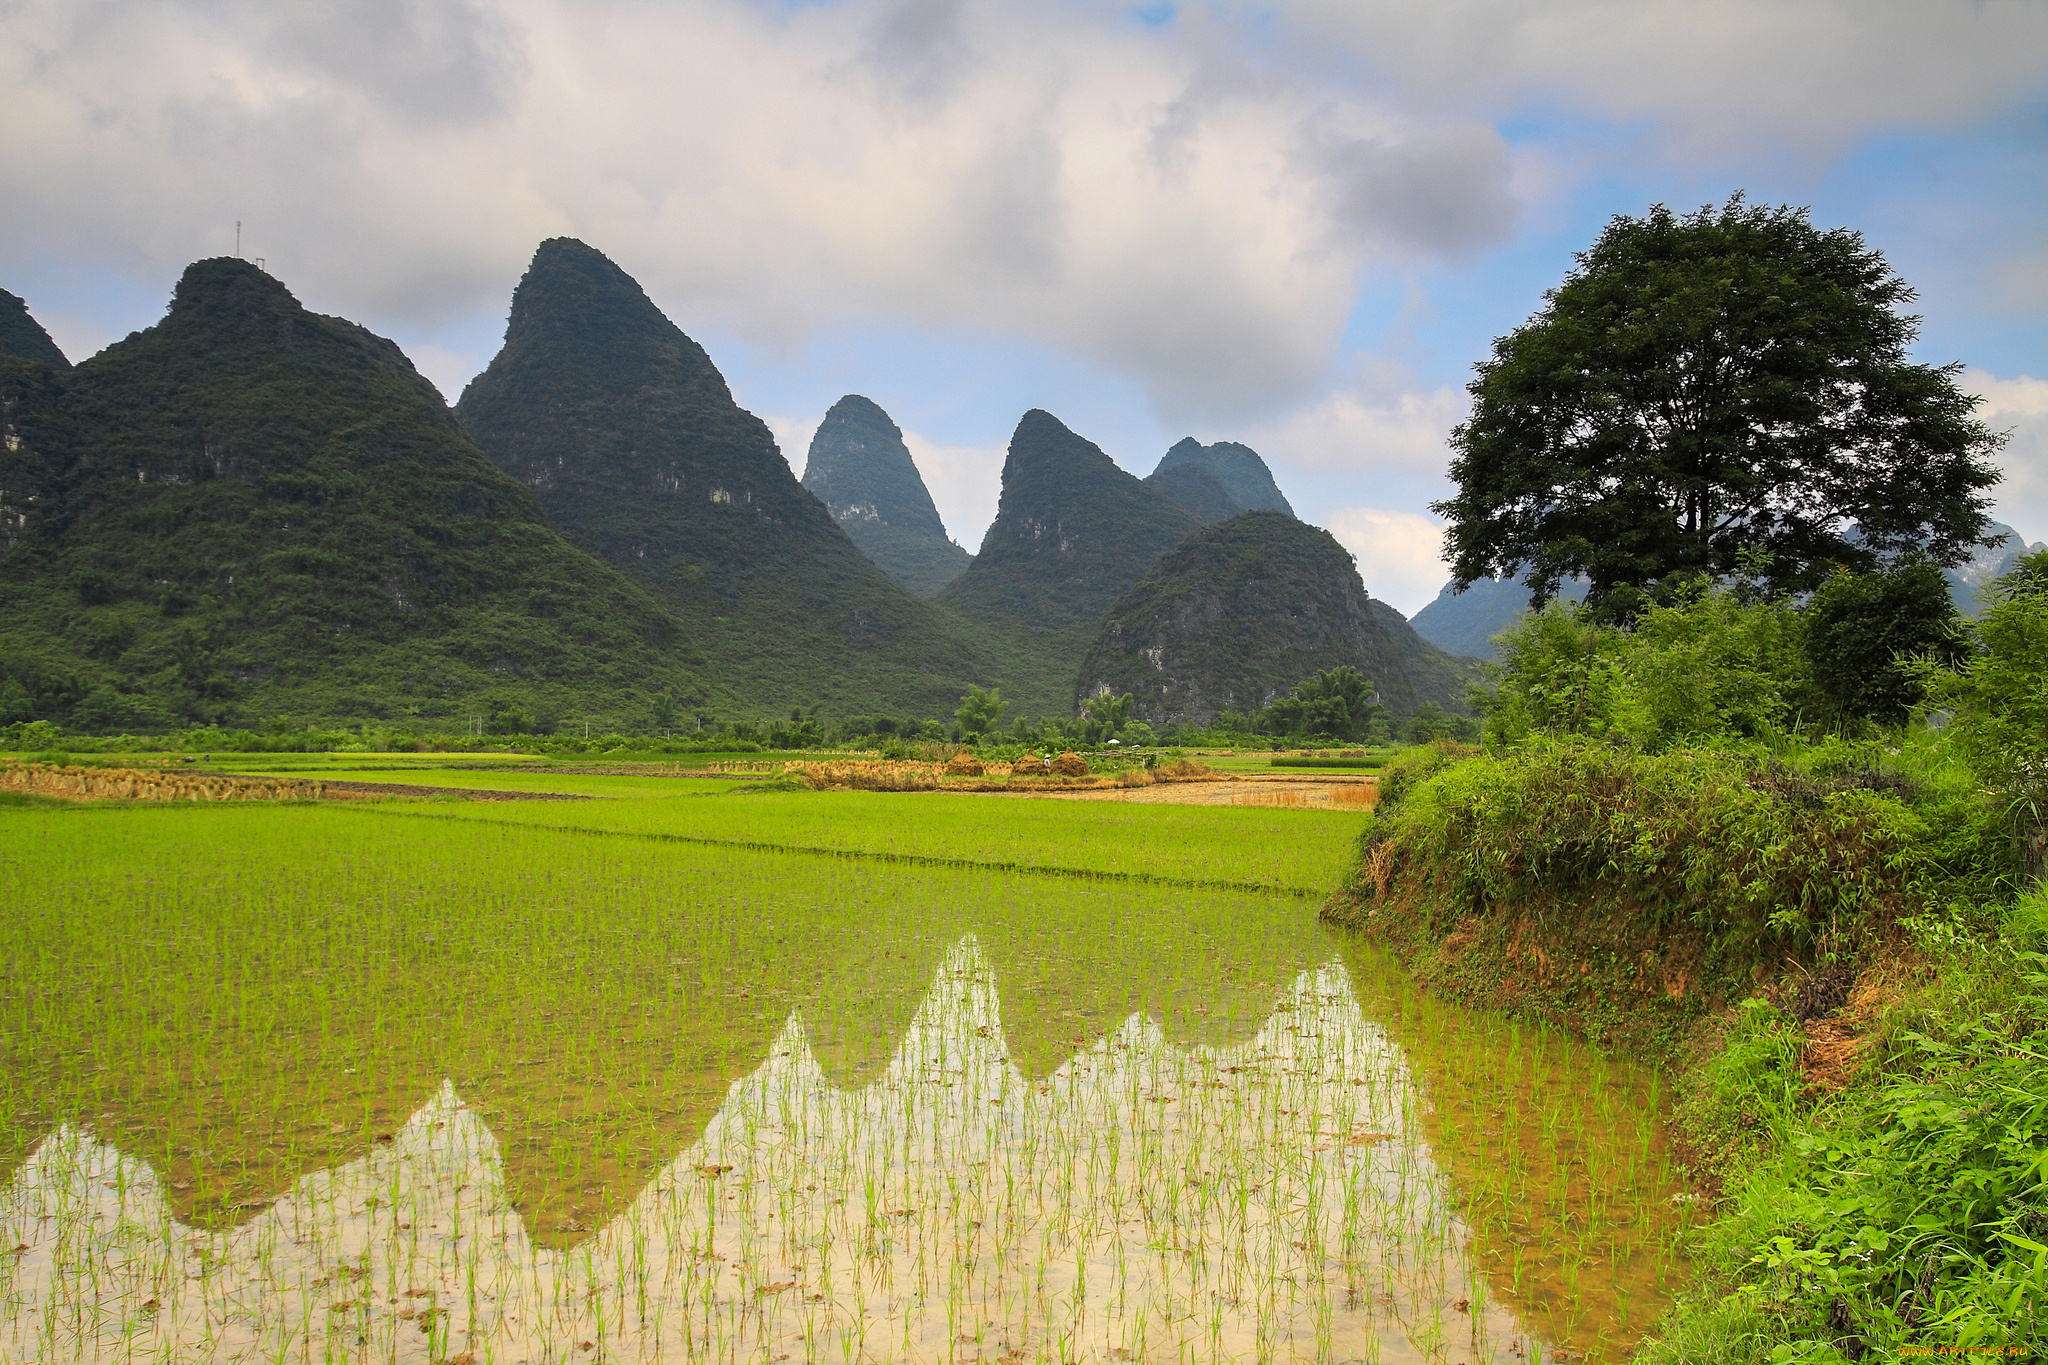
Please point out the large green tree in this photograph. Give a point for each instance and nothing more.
(1704, 384)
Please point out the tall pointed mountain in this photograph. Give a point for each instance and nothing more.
(1238, 468)
(1196, 491)
(1243, 610)
(630, 439)
(1072, 532)
(861, 470)
(256, 509)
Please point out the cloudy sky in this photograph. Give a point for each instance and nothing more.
(1294, 224)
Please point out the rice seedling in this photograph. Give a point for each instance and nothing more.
(310, 1083)
(1184, 845)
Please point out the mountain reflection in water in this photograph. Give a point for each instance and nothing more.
(1272, 1200)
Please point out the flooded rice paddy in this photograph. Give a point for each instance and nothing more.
(305, 1084)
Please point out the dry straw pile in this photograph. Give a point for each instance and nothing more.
(148, 784)
(876, 775)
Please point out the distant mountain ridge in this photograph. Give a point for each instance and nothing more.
(1465, 623)
(1196, 491)
(860, 469)
(1238, 468)
(636, 450)
(1072, 531)
(250, 508)
(1243, 610)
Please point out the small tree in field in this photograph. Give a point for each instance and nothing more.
(1698, 387)
(1105, 716)
(980, 713)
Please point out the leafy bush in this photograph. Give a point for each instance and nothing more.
(1913, 1212)
(1715, 663)
(1863, 632)
(2000, 720)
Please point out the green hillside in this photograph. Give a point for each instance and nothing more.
(1196, 491)
(861, 470)
(633, 445)
(250, 509)
(1242, 611)
(1072, 531)
(1238, 468)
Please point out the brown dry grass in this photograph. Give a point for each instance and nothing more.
(1283, 797)
(878, 775)
(148, 784)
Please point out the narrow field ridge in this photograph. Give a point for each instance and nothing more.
(873, 855)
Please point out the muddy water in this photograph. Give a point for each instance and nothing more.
(1336, 1186)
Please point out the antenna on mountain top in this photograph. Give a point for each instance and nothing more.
(238, 239)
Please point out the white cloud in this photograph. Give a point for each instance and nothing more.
(1813, 74)
(2018, 405)
(965, 483)
(793, 437)
(1378, 441)
(1081, 182)
(1400, 554)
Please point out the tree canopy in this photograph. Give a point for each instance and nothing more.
(1732, 379)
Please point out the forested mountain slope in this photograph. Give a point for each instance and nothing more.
(1242, 611)
(251, 509)
(1072, 532)
(630, 439)
(1238, 468)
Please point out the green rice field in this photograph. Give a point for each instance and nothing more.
(681, 1072)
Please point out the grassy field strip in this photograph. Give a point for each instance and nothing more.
(1230, 848)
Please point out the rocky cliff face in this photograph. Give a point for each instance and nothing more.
(253, 507)
(1238, 468)
(1242, 611)
(630, 439)
(861, 470)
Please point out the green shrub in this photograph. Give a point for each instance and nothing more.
(1864, 630)
(1715, 663)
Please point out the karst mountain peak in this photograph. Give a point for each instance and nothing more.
(860, 468)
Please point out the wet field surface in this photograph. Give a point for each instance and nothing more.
(310, 1084)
